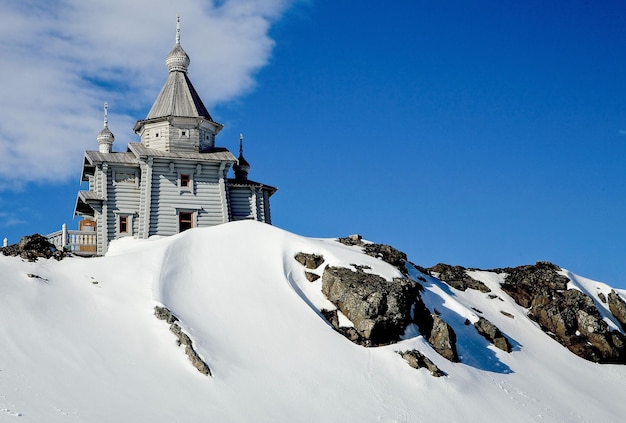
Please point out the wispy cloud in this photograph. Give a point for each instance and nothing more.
(10, 219)
(63, 59)
(622, 131)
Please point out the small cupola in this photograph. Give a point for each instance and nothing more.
(105, 137)
(177, 59)
(242, 167)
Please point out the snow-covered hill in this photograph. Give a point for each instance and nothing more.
(80, 342)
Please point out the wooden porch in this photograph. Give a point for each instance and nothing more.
(82, 243)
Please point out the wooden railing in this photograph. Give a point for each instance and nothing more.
(78, 242)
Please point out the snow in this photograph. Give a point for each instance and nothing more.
(81, 343)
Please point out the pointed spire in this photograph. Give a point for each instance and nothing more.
(105, 136)
(106, 114)
(177, 30)
(242, 167)
(177, 60)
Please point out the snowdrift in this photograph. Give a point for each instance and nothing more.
(81, 342)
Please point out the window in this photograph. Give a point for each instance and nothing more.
(124, 221)
(185, 181)
(123, 224)
(185, 220)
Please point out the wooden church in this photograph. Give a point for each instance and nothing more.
(175, 178)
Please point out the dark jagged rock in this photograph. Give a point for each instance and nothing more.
(491, 332)
(32, 248)
(349, 332)
(310, 261)
(384, 252)
(507, 314)
(525, 283)
(351, 240)
(417, 360)
(311, 277)
(331, 317)
(602, 297)
(617, 306)
(379, 309)
(568, 315)
(163, 313)
(443, 339)
(457, 277)
(437, 332)
(193, 356)
(388, 254)
(419, 268)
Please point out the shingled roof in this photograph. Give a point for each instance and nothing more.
(178, 97)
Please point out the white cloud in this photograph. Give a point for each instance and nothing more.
(63, 59)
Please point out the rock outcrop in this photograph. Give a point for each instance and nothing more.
(457, 277)
(308, 260)
(443, 339)
(32, 248)
(163, 313)
(491, 332)
(417, 360)
(379, 309)
(388, 254)
(384, 252)
(568, 315)
(617, 306)
(525, 283)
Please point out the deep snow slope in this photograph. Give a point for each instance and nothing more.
(80, 342)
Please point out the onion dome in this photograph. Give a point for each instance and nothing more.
(242, 167)
(105, 137)
(177, 59)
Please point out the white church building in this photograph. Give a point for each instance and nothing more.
(174, 179)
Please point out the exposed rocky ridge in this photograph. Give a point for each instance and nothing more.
(389, 254)
(384, 252)
(163, 313)
(32, 248)
(457, 277)
(568, 315)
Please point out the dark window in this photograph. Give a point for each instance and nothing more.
(185, 221)
(123, 224)
(184, 180)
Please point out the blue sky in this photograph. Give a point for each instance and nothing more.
(485, 134)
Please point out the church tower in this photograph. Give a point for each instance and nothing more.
(178, 120)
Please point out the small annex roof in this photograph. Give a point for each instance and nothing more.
(84, 200)
(238, 183)
(94, 157)
(214, 155)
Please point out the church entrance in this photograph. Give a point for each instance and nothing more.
(185, 221)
